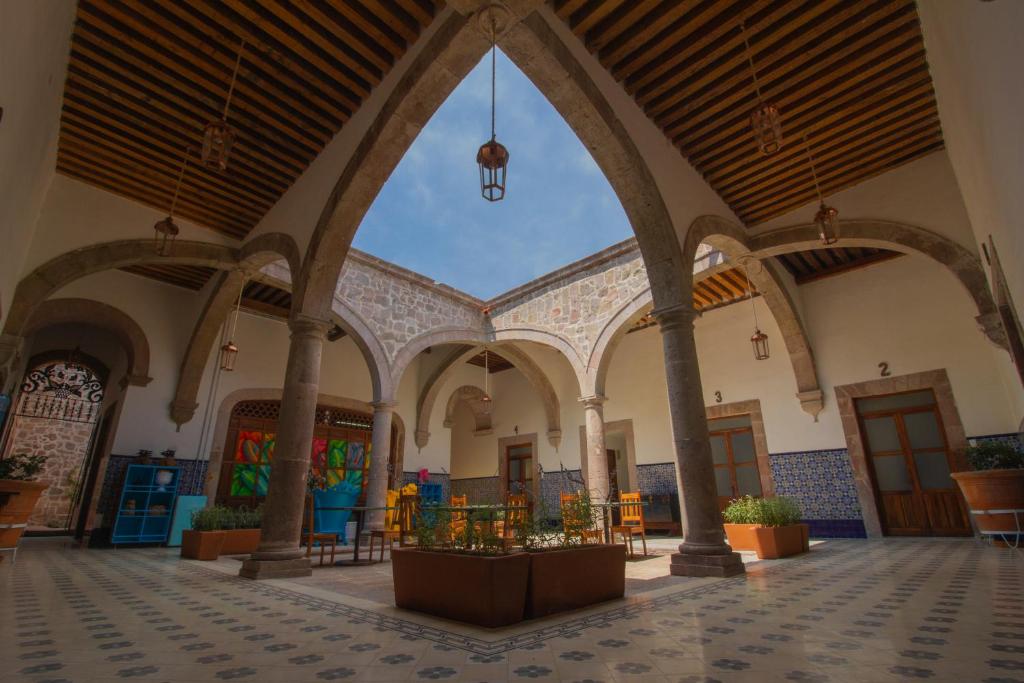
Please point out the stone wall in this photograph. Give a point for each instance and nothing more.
(65, 445)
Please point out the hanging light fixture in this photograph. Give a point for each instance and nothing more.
(766, 121)
(165, 230)
(219, 137)
(759, 340)
(492, 157)
(229, 352)
(486, 398)
(827, 217)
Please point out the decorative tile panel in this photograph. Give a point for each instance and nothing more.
(821, 482)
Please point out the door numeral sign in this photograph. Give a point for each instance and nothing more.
(718, 397)
(884, 367)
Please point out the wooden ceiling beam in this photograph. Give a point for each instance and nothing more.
(637, 37)
(373, 26)
(334, 24)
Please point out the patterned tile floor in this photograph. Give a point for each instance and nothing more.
(893, 610)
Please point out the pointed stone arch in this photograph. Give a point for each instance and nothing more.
(473, 397)
(461, 354)
(444, 60)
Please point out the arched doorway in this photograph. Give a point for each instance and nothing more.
(340, 452)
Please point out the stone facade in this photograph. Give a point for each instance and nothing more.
(65, 445)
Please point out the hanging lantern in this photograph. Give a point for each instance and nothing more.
(166, 230)
(229, 352)
(219, 137)
(493, 161)
(486, 398)
(759, 340)
(766, 121)
(492, 157)
(827, 220)
(767, 125)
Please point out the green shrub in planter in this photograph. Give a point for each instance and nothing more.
(994, 456)
(771, 511)
(220, 518)
(21, 467)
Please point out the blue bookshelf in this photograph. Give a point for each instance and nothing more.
(147, 504)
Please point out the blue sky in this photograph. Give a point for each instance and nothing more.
(558, 207)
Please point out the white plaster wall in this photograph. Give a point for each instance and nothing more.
(34, 48)
(975, 56)
(908, 312)
(923, 193)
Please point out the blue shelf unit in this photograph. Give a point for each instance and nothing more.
(146, 506)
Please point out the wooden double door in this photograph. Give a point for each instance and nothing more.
(910, 462)
(735, 459)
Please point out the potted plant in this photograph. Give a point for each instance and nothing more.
(769, 526)
(205, 540)
(18, 495)
(996, 483)
(241, 531)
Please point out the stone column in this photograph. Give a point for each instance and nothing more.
(377, 486)
(597, 458)
(703, 551)
(279, 554)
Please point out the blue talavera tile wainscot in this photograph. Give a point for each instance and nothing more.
(441, 478)
(657, 478)
(1013, 438)
(821, 482)
(836, 528)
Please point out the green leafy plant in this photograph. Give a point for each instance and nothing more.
(21, 467)
(220, 518)
(994, 455)
(770, 511)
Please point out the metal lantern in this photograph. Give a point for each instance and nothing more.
(766, 121)
(228, 353)
(493, 161)
(759, 340)
(165, 231)
(767, 125)
(217, 143)
(827, 220)
(219, 137)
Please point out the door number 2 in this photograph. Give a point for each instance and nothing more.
(884, 367)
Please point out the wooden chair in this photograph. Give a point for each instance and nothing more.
(408, 518)
(459, 517)
(312, 536)
(587, 536)
(391, 531)
(631, 518)
(516, 515)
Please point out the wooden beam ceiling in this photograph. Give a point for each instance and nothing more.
(814, 264)
(850, 76)
(189, 277)
(145, 77)
(495, 363)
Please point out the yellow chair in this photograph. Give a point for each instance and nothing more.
(586, 535)
(391, 531)
(408, 518)
(459, 517)
(631, 521)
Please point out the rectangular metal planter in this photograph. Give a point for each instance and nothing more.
(572, 578)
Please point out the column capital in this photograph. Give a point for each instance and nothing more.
(302, 325)
(675, 316)
(593, 401)
(384, 406)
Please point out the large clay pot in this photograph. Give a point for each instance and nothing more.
(486, 591)
(17, 500)
(240, 541)
(202, 545)
(773, 542)
(993, 490)
(740, 536)
(572, 578)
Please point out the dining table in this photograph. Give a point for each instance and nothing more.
(359, 512)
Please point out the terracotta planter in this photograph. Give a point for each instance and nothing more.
(486, 591)
(240, 541)
(17, 500)
(740, 536)
(993, 490)
(202, 545)
(568, 579)
(773, 542)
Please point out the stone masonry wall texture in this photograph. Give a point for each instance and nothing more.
(579, 307)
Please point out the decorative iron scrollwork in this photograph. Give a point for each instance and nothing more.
(64, 380)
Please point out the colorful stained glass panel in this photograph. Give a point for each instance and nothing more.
(247, 448)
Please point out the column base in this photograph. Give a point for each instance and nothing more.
(275, 569)
(721, 566)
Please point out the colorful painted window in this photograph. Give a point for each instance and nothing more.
(254, 452)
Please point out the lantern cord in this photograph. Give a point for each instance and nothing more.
(234, 78)
(487, 372)
(238, 306)
(814, 173)
(750, 60)
(177, 187)
(750, 295)
(493, 70)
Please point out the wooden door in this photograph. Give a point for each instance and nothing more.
(910, 462)
(732, 450)
(519, 468)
